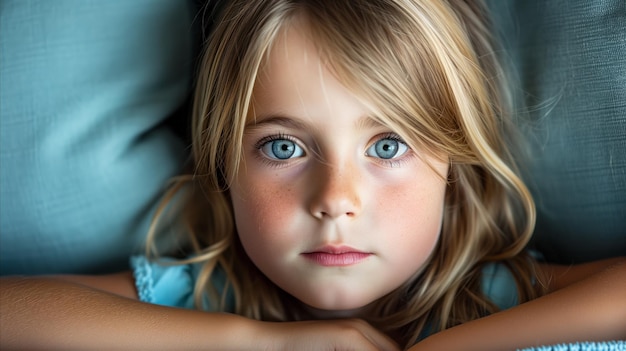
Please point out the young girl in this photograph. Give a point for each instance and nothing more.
(350, 166)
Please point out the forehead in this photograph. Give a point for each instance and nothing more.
(292, 56)
(295, 79)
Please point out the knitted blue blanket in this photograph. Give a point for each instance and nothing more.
(583, 346)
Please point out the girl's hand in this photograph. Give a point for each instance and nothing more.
(346, 334)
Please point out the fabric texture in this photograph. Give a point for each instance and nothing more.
(568, 57)
(614, 345)
(499, 286)
(85, 90)
(165, 283)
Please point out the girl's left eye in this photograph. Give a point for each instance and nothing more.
(387, 148)
(281, 149)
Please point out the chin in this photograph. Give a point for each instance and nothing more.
(336, 308)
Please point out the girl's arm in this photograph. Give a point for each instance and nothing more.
(86, 313)
(588, 304)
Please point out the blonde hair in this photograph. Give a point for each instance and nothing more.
(428, 70)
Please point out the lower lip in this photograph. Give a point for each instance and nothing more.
(336, 260)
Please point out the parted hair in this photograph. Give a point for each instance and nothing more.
(428, 70)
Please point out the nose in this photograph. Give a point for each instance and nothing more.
(335, 191)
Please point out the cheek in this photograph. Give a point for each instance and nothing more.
(409, 206)
(262, 211)
(412, 217)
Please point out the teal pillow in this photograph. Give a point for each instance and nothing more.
(570, 58)
(85, 91)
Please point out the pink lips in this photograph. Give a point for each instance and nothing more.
(330, 256)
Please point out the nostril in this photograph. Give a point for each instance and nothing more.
(324, 214)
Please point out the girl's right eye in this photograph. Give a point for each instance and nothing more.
(280, 148)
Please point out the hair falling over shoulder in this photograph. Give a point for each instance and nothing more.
(429, 71)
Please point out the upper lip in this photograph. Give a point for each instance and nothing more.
(336, 249)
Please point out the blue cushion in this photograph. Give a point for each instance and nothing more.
(570, 58)
(85, 88)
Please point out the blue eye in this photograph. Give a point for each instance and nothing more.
(387, 148)
(281, 149)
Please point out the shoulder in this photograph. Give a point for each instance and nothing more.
(499, 285)
(170, 283)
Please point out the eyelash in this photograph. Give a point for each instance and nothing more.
(280, 136)
(259, 145)
(393, 162)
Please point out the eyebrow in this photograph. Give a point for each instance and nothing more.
(277, 120)
(294, 123)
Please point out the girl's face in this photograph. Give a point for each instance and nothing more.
(330, 205)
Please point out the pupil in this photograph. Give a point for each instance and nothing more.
(386, 148)
(283, 149)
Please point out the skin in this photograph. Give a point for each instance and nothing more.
(334, 191)
(586, 303)
(80, 313)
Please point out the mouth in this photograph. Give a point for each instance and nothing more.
(336, 256)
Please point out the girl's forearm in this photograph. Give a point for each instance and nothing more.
(62, 314)
(55, 314)
(590, 310)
